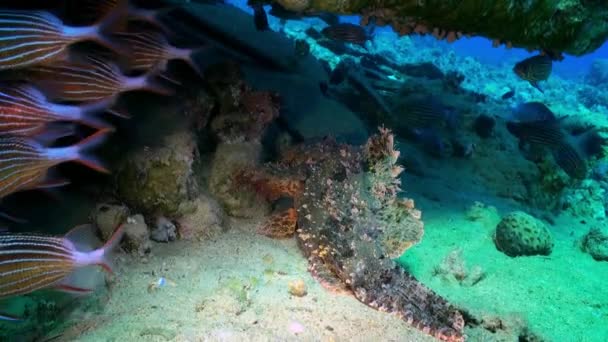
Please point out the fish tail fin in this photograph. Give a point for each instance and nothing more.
(88, 255)
(88, 143)
(153, 84)
(537, 86)
(114, 20)
(11, 318)
(89, 112)
(108, 247)
(54, 131)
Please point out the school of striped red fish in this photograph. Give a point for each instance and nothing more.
(47, 87)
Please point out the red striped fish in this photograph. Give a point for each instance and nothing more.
(38, 37)
(25, 111)
(31, 262)
(24, 162)
(95, 79)
(149, 50)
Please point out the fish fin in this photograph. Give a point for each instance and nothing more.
(54, 131)
(11, 218)
(11, 318)
(152, 84)
(537, 86)
(108, 247)
(84, 239)
(90, 142)
(52, 183)
(121, 113)
(114, 20)
(72, 289)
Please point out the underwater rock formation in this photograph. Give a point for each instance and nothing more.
(341, 202)
(520, 234)
(575, 27)
(202, 218)
(595, 243)
(155, 180)
(243, 117)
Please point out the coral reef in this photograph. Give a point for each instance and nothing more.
(350, 223)
(155, 180)
(202, 218)
(107, 216)
(239, 126)
(137, 235)
(586, 200)
(575, 27)
(519, 234)
(595, 242)
(163, 231)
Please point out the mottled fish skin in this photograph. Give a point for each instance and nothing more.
(96, 79)
(534, 69)
(24, 162)
(38, 37)
(346, 32)
(25, 111)
(31, 262)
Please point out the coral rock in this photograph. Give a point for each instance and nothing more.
(595, 243)
(137, 236)
(203, 219)
(520, 234)
(164, 230)
(156, 180)
(107, 217)
(297, 288)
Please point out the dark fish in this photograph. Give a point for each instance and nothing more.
(37, 37)
(547, 133)
(430, 141)
(24, 162)
(346, 32)
(534, 69)
(259, 15)
(150, 50)
(30, 262)
(570, 160)
(569, 152)
(25, 111)
(532, 112)
(427, 112)
(508, 95)
(93, 80)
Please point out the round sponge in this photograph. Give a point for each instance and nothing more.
(520, 234)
